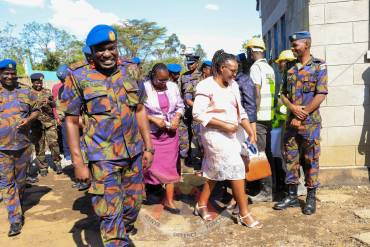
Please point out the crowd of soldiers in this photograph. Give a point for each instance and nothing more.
(105, 130)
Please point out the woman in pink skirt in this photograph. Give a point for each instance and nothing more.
(165, 108)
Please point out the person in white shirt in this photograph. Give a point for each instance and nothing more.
(263, 76)
(218, 109)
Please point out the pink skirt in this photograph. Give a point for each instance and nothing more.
(164, 167)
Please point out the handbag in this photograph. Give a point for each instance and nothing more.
(256, 163)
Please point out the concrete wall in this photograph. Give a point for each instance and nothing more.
(340, 35)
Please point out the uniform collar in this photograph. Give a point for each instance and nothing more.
(309, 62)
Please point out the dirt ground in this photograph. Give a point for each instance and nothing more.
(57, 215)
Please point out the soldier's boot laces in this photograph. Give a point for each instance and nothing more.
(310, 207)
(291, 200)
(15, 229)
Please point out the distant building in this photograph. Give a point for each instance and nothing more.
(340, 35)
(50, 77)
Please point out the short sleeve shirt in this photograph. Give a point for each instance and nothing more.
(109, 104)
(303, 82)
(15, 105)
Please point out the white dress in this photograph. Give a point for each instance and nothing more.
(222, 160)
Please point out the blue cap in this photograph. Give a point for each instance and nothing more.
(101, 34)
(241, 57)
(86, 50)
(62, 72)
(207, 63)
(8, 64)
(174, 67)
(136, 60)
(37, 76)
(300, 35)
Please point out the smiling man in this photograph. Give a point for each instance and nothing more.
(116, 134)
(304, 89)
(17, 111)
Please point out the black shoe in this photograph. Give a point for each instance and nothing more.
(171, 210)
(59, 169)
(32, 180)
(83, 186)
(131, 231)
(15, 229)
(291, 200)
(310, 207)
(43, 172)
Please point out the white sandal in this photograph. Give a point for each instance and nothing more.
(202, 211)
(255, 224)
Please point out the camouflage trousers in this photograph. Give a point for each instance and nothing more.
(196, 149)
(118, 191)
(42, 136)
(296, 145)
(184, 139)
(13, 168)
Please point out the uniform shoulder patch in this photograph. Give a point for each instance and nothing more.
(78, 65)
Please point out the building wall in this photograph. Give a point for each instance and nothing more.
(340, 35)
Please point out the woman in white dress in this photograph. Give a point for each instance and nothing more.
(217, 107)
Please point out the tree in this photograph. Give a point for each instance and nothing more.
(48, 46)
(200, 52)
(140, 38)
(11, 46)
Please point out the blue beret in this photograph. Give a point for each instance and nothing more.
(101, 34)
(86, 50)
(62, 71)
(136, 60)
(174, 67)
(37, 76)
(8, 64)
(207, 63)
(300, 35)
(241, 57)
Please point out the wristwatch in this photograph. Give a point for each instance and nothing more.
(150, 150)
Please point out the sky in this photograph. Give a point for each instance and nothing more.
(214, 24)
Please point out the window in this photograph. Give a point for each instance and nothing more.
(276, 41)
(283, 33)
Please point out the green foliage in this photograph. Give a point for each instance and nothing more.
(200, 52)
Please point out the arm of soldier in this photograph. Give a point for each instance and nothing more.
(35, 112)
(188, 92)
(321, 90)
(143, 124)
(71, 104)
(298, 111)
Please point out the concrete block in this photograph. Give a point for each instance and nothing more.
(347, 95)
(340, 75)
(347, 11)
(313, 2)
(333, 176)
(344, 136)
(316, 14)
(361, 31)
(363, 150)
(324, 137)
(338, 33)
(362, 115)
(318, 51)
(338, 116)
(361, 73)
(338, 156)
(346, 53)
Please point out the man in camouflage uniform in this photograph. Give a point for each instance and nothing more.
(44, 129)
(304, 89)
(17, 111)
(116, 131)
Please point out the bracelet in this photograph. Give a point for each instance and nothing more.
(150, 150)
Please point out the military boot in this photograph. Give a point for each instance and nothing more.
(265, 194)
(15, 229)
(310, 207)
(291, 200)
